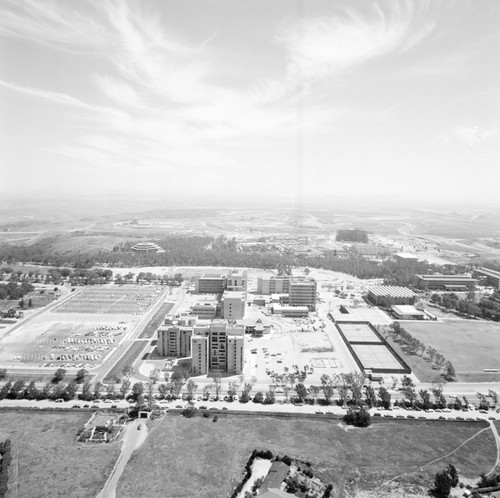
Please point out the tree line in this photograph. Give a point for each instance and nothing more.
(220, 251)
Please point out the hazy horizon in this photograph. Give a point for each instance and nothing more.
(317, 102)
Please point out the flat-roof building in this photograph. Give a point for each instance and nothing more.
(492, 277)
(174, 341)
(303, 293)
(273, 285)
(205, 310)
(210, 284)
(290, 311)
(448, 282)
(199, 355)
(237, 281)
(407, 312)
(233, 305)
(387, 295)
(405, 257)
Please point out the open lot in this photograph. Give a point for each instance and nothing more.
(470, 345)
(47, 461)
(196, 457)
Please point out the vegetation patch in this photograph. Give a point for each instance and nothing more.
(49, 461)
(206, 459)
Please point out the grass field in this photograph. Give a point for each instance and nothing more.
(128, 358)
(469, 344)
(196, 457)
(47, 462)
(155, 322)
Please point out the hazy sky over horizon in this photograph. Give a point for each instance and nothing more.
(267, 97)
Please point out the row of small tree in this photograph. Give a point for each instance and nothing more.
(415, 346)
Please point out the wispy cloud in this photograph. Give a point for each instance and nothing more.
(332, 44)
(474, 135)
(161, 110)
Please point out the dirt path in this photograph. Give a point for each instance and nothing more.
(420, 467)
(132, 439)
(497, 441)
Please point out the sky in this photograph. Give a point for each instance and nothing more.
(273, 98)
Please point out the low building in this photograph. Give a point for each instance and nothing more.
(290, 311)
(275, 476)
(491, 277)
(405, 257)
(448, 282)
(387, 295)
(206, 310)
(407, 312)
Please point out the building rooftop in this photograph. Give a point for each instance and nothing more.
(408, 310)
(392, 291)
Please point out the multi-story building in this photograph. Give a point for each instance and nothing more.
(237, 281)
(233, 305)
(273, 285)
(211, 284)
(303, 293)
(175, 341)
(234, 364)
(199, 355)
(205, 310)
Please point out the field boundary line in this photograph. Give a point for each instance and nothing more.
(437, 459)
(497, 442)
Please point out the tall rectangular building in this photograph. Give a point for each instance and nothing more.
(303, 293)
(174, 341)
(199, 355)
(237, 281)
(233, 305)
(234, 354)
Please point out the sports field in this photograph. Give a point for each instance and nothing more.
(199, 458)
(470, 345)
(376, 356)
(358, 332)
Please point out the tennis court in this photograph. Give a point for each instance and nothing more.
(358, 332)
(376, 357)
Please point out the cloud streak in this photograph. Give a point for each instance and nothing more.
(330, 45)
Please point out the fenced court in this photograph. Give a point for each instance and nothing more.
(369, 349)
(359, 332)
(376, 357)
(108, 299)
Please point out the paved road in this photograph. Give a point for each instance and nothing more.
(132, 438)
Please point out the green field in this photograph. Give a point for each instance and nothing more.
(197, 457)
(47, 462)
(132, 353)
(470, 345)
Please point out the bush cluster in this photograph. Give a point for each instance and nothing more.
(5, 453)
